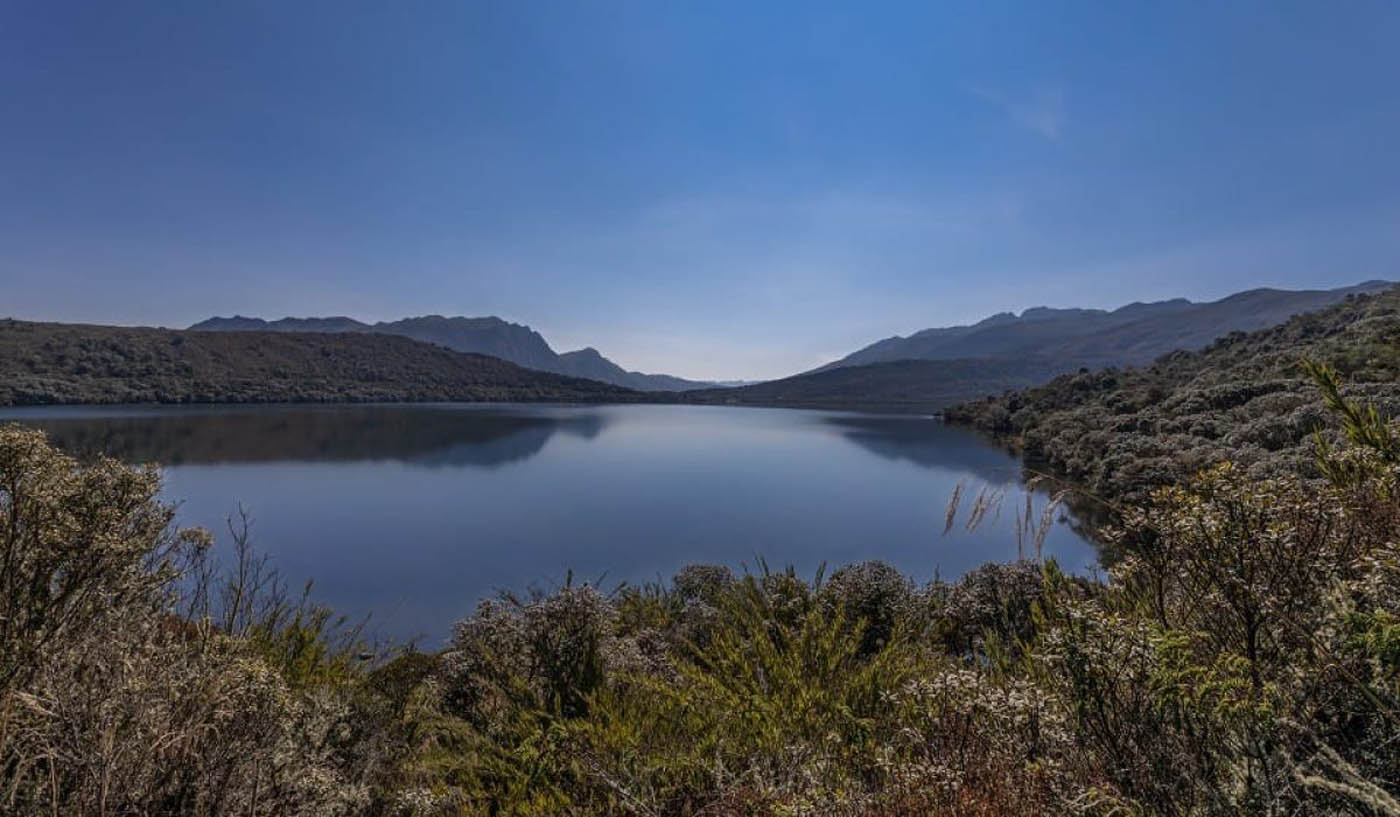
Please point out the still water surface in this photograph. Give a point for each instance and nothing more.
(411, 513)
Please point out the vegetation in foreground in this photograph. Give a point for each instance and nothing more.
(1244, 658)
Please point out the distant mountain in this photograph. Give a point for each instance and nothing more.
(519, 344)
(921, 385)
(43, 363)
(936, 368)
(1131, 335)
(238, 323)
(492, 336)
(592, 365)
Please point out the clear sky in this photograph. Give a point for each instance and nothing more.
(710, 189)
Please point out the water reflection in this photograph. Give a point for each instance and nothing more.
(928, 443)
(422, 435)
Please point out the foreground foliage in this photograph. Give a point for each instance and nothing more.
(1243, 658)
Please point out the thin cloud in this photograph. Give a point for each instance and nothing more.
(1042, 111)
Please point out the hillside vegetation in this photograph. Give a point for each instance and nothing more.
(1244, 398)
(43, 363)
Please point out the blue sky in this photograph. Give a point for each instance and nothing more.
(709, 189)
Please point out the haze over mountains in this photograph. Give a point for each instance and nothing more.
(492, 336)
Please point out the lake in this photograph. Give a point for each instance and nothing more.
(411, 513)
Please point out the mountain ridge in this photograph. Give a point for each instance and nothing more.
(514, 342)
(1133, 334)
(1028, 353)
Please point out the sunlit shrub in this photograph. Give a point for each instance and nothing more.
(110, 700)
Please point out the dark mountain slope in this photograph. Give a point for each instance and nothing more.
(1131, 335)
(1244, 398)
(591, 364)
(514, 342)
(1145, 340)
(914, 385)
(67, 363)
(238, 323)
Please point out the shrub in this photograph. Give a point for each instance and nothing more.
(110, 702)
(872, 595)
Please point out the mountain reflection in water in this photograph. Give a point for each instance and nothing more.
(926, 442)
(424, 435)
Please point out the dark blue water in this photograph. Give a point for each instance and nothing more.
(413, 513)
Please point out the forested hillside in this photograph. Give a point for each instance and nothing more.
(1245, 398)
(43, 363)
